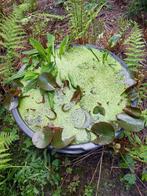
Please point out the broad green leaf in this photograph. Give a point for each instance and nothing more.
(129, 123)
(30, 52)
(15, 76)
(51, 99)
(64, 46)
(32, 84)
(104, 131)
(31, 75)
(51, 43)
(47, 82)
(38, 46)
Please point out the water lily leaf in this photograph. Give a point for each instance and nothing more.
(42, 139)
(133, 111)
(57, 141)
(129, 123)
(77, 95)
(81, 119)
(104, 131)
(47, 82)
(99, 109)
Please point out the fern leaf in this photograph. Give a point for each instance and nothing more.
(6, 138)
(135, 49)
(12, 38)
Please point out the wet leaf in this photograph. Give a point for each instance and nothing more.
(42, 139)
(47, 82)
(133, 111)
(81, 119)
(99, 110)
(77, 95)
(56, 140)
(129, 123)
(104, 131)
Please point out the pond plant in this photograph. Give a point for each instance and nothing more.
(74, 95)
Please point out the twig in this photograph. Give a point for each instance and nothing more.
(139, 190)
(94, 172)
(100, 171)
(86, 156)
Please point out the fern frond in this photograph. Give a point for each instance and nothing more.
(6, 139)
(12, 38)
(135, 48)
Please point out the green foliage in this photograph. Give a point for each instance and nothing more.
(89, 190)
(7, 136)
(144, 176)
(81, 16)
(129, 180)
(74, 184)
(6, 139)
(135, 48)
(35, 171)
(12, 38)
(135, 6)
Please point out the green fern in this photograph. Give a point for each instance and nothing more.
(11, 40)
(6, 139)
(135, 49)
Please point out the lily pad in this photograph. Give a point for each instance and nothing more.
(129, 123)
(104, 131)
(57, 141)
(81, 118)
(42, 140)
